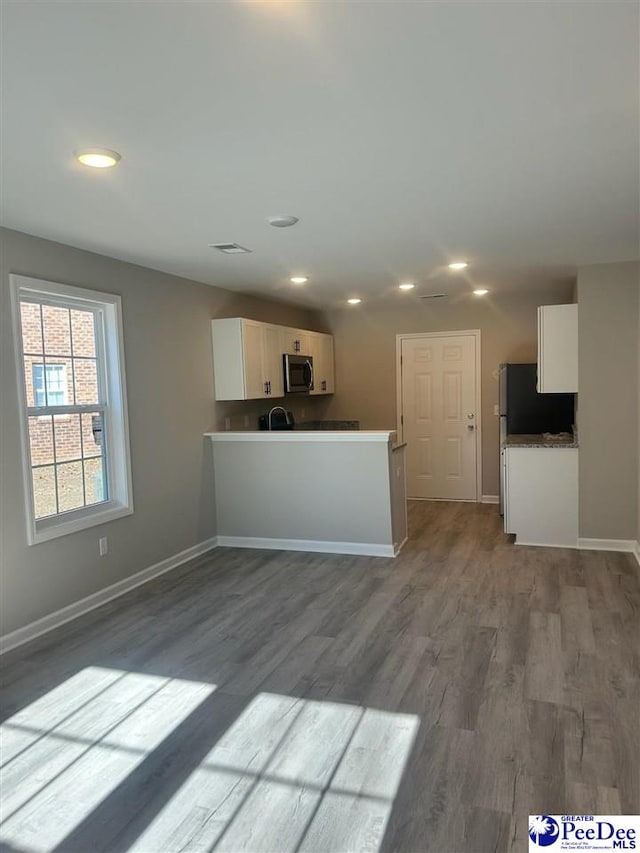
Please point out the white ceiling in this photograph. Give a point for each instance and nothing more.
(402, 134)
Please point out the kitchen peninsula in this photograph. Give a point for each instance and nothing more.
(333, 491)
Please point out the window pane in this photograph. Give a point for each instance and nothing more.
(31, 362)
(44, 492)
(86, 381)
(70, 491)
(57, 335)
(41, 440)
(47, 384)
(67, 432)
(83, 333)
(92, 434)
(31, 327)
(95, 481)
(59, 390)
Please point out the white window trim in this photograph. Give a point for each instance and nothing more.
(116, 425)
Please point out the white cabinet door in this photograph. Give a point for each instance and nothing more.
(252, 342)
(247, 359)
(272, 360)
(557, 349)
(321, 349)
(295, 341)
(541, 495)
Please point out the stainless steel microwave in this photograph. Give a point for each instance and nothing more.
(298, 374)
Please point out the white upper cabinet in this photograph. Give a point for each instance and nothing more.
(247, 359)
(557, 349)
(321, 349)
(295, 341)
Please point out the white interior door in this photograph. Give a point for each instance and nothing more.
(440, 421)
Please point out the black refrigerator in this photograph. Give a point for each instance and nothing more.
(524, 411)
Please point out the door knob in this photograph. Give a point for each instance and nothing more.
(470, 426)
(470, 416)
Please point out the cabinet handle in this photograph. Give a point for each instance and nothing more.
(266, 387)
(324, 384)
(269, 386)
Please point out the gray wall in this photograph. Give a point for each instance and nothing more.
(608, 400)
(331, 491)
(365, 350)
(167, 341)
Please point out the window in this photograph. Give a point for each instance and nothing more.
(74, 422)
(55, 376)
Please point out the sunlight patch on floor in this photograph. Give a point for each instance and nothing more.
(290, 774)
(65, 753)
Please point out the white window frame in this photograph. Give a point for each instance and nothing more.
(108, 310)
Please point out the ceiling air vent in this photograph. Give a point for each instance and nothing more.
(434, 296)
(230, 248)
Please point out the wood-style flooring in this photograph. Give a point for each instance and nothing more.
(278, 701)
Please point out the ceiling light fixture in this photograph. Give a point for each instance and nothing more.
(354, 301)
(98, 158)
(458, 265)
(299, 279)
(282, 221)
(406, 286)
(481, 291)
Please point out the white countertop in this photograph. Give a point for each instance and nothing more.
(321, 435)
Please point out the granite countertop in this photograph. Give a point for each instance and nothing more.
(328, 425)
(544, 439)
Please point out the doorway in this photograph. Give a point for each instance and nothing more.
(438, 386)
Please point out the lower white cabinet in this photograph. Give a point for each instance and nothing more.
(541, 495)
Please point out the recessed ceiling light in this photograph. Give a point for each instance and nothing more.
(282, 221)
(481, 291)
(354, 301)
(299, 279)
(98, 158)
(406, 286)
(458, 265)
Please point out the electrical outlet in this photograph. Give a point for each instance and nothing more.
(103, 545)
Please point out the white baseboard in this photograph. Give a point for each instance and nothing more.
(399, 548)
(364, 549)
(636, 552)
(546, 544)
(628, 545)
(96, 599)
(491, 499)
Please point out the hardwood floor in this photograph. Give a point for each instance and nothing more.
(278, 701)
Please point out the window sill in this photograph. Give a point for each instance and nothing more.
(52, 528)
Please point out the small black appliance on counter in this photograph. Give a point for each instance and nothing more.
(278, 418)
